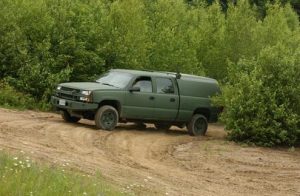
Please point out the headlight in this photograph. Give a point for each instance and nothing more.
(87, 99)
(87, 96)
(58, 87)
(86, 92)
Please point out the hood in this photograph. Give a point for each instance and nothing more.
(87, 86)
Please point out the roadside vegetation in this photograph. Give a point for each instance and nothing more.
(251, 47)
(11, 98)
(20, 176)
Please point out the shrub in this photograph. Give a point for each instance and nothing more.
(11, 98)
(262, 98)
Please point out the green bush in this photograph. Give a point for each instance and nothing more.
(262, 95)
(262, 98)
(11, 98)
(44, 41)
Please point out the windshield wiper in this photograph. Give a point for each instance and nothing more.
(108, 84)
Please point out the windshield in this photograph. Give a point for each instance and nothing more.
(115, 79)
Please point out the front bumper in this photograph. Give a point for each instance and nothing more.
(72, 105)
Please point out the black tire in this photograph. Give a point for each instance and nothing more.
(198, 125)
(106, 118)
(163, 126)
(68, 118)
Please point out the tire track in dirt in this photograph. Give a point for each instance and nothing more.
(162, 162)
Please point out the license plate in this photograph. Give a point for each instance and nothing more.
(62, 102)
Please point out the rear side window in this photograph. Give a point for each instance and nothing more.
(164, 85)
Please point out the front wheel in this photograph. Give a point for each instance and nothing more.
(68, 118)
(197, 125)
(106, 118)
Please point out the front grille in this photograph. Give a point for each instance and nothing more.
(68, 93)
(67, 96)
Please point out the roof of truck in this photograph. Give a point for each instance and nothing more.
(165, 74)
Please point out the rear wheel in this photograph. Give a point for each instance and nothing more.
(68, 118)
(106, 118)
(198, 125)
(163, 126)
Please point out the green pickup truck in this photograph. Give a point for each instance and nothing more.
(121, 95)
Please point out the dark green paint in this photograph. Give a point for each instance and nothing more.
(191, 93)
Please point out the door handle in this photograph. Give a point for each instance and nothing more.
(151, 98)
(172, 99)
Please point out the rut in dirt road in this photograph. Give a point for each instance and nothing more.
(154, 162)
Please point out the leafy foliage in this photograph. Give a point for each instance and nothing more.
(262, 93)
(263, 98)
(11, 98)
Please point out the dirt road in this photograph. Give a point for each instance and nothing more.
(153, 162)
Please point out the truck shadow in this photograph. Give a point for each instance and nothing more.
(150, 129)
(214, 131)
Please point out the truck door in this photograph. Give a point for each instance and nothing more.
(166, 99)
(140, 104)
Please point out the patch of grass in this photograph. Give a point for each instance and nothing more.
(291, 149)
(20, 176)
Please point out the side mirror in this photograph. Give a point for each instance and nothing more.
(135, 89)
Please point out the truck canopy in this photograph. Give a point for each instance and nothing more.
(197, 86)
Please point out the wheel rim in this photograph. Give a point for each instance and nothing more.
(108, 119)
(200, 126)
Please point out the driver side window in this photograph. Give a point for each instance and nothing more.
(144, 83)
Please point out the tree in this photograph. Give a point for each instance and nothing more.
(172, 33)
(126, 34)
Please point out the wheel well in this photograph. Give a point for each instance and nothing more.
(113, 103)
(203, 111)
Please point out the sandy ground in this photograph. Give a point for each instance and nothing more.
(153, 162)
